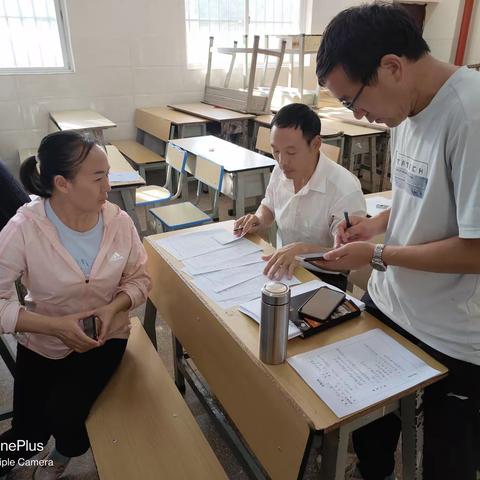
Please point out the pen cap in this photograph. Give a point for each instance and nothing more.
(276, 293)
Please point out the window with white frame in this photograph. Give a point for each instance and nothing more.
(34, 37)
(229, 20)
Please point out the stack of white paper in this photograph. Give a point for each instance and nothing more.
(253, 307)
(377, 204)
(228, 269)
(360, 371)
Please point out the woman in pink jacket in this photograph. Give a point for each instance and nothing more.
(78, 256)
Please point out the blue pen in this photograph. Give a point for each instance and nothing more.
(347, 220)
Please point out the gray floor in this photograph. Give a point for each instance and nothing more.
(83, 468)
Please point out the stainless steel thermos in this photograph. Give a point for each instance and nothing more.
(274, 322)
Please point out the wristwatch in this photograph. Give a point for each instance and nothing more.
(377, 261)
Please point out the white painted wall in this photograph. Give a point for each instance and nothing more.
(128, 54)
(473, 47)
(132, 53)
(441, 28)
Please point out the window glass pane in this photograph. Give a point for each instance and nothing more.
(11, 8)
(29, 35)
(222, 19)
(26, 8)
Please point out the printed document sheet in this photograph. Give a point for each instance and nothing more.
(360, 371)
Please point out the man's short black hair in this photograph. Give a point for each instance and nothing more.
(358, 37)
(298, 115)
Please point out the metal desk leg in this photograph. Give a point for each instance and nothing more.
(373, 162)
(253, 140)
(412, 436)
(239, 195)
(177, 359)
(140, 136)
(334, 454)
(149, 322)
(98, 136)
(184, 195)
(342, 146)
(7, 355)
(129, 204)
(335, 443)
(180, 131)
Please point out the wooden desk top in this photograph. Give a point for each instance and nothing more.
(345, 115)
(173, 116)
(211, 112)
(264, 120)
(80, 120)
(349, 129)
(233, 157)
(327, 130)
(246, 333)
(385, 194)
(118, 163)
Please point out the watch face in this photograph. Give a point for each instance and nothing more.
(378, 266)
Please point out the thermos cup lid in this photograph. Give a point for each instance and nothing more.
(276, 293)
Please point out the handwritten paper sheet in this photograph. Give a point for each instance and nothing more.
(360, 371)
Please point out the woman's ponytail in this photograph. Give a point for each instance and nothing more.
(60, 153)
(30, 177)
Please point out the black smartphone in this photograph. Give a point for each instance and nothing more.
(90, 327)
(321, 304)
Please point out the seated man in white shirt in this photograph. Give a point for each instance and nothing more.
(307, 194)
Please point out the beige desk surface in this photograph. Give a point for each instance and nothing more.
(174, 116)
(211, 112)
(224, 346)
(326, 132)
(118, 163)
(349, 129)
(246, 331)
(345, 115)
(80, 120)
(234, 158)
(385, 194)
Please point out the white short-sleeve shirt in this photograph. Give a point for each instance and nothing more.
(436, 195)
(312, 214)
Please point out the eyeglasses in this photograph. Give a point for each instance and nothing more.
(351, 105)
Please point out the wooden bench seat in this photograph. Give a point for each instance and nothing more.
(137, 152)
(140, 426)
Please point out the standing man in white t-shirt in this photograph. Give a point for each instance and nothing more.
(426, 280)
(306, 195)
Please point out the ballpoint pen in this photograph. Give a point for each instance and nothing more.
(347, 220)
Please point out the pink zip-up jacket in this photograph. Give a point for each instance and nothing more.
(30, 247)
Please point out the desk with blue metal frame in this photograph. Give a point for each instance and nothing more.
(278, 420)
(246, 173)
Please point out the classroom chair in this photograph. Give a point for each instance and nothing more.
(150, 196)
(187, 214)
(262, 143)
